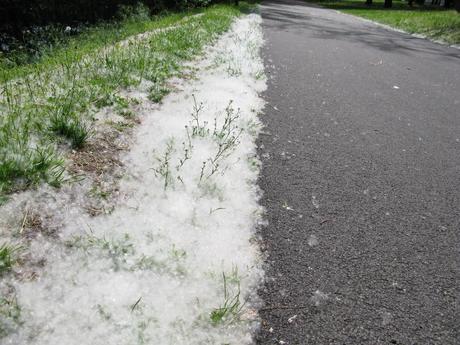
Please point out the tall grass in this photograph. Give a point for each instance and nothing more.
(56, 45)
(55, 103)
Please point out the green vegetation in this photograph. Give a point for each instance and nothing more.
(433, 22)
(230, 310)
(59, 48)
(19, 17)
(121, 252)
(226, 137)
(7, 257)
(10, 315)
(48, 106)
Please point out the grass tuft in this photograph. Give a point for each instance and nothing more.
(157, 92)
(7, 257)
(230, 310)
(18, 172)
(72, 129)
(10, 314)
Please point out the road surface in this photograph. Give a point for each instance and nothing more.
(361, 182)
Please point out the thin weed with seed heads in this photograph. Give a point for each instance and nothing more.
(163, 168)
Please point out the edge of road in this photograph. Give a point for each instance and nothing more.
(391, 28)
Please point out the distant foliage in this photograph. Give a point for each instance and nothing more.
(19, 14)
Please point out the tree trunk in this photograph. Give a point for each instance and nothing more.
(388, 3)
(237, 2)
(368, 2)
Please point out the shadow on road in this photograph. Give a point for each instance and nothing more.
(291, 14)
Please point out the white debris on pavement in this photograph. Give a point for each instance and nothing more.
(313, 241)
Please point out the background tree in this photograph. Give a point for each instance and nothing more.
(17, 15)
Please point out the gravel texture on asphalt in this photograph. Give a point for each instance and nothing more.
(361, 182)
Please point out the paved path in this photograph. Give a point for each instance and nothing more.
(361, 182)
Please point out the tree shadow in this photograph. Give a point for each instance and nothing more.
(377, 5)
(294, 15)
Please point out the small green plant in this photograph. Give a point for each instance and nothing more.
(163, 168)
(142, 326)
(198, 129)
(233, 70)
(115, 249)
(127, 114)
(259, 75)
(173, 265)
(37, 164)
(120, 125)
(187, 149)
(121, 103)
(10, 314)
(226, 137)
(98, 192)
(49, 167)
(157, 92)
(122, 106)
(230, 310)
(254, 163)
(252, 127)
(105, 315)
(71, 128)
(234, 276)
(149, 263)
(3, 198)
(7, 257)
(178, 254)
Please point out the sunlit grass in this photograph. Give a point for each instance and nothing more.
(65, 49)
(434, 22)
(55, 102)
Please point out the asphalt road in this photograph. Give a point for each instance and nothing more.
(361, 182)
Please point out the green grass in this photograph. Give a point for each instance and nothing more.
(433, 22)
(65, 49)
(157, 92)
(231, 308)
(7, 257)
(52, 101)
(10, 315)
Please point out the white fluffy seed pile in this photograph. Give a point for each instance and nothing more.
(176, 262)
